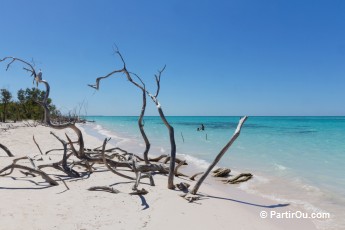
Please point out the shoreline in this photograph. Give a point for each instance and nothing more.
(222, 206)
(199, 165)
(282, 184)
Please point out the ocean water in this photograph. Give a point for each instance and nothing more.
(295, 160)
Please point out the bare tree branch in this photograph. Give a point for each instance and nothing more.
(31, 170)
(158, 80)
(33, 137)
(6, 150)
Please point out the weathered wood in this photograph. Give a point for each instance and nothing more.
(221, 172)
(139, 192)
(159, 108)
(239, 178)
(109, 167)
(166, 160)
(177, 160)
(63, 181)
(195, 175)
(190, 197)
(27, 173)
(69, 171)
(7, 151)
(177, 168)
(141, 124)
(172, 146)
(31, 170)
(219, 156)
(156, 159)
(183, 186)
(33, 137)
(104, 188)
(153, 168)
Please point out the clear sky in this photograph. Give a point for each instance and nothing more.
(243, 57)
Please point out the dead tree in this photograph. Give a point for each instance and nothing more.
(160, 111)
(37, 77)
(219, 156)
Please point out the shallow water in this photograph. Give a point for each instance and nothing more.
(297, 160)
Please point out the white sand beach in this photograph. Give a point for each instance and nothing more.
(30, 203)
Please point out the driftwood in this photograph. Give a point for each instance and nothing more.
(195, 175)
(115, 158)
(156, 159)
(219, 156)
(221, 172)
(112, 190)
(6, 150)
(33, 137)
(106, 162)
(183, 186)
(69, 171)
(138, 174)
(31, 170)
(104, 188)
(139, 192)
(239, 178)
(176, 172)
(27, 173)
(63, 181)
(190, 197)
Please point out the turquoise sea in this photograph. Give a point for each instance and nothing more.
(297, 160)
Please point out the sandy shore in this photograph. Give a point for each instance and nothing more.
(30, 203)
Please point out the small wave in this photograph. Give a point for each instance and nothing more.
(99, 129)
(300, 195)
(279, 167)
(250, 185)
(202, 164)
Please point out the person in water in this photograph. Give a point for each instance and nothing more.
(201, 128)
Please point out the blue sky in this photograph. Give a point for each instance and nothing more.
(239, 57)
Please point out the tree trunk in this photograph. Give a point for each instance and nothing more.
(142, 131)
(172, 151)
